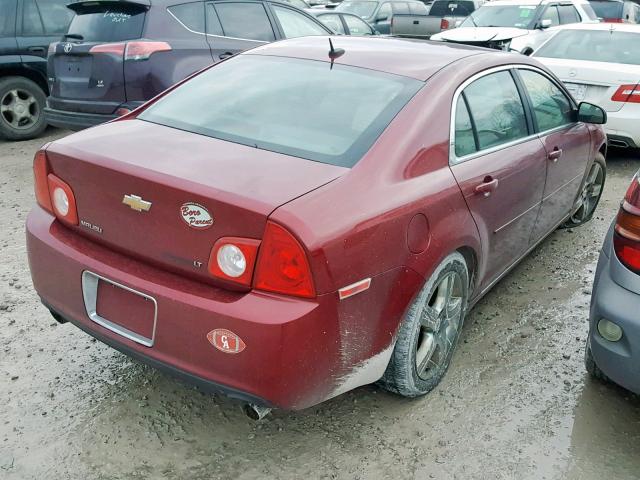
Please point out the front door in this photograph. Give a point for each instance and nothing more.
(499, 164)
(566, 146)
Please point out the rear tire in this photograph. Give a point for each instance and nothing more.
(430, 330)
(22, 104)
(590, 193)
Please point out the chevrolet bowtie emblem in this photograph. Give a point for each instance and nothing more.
(136, 203)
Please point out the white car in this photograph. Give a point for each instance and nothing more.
(519, 25)
(600, 64)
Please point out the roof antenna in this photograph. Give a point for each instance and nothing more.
(334, 52)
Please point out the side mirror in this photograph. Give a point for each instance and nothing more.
(590, 113)
(382, 18)
(546, 23)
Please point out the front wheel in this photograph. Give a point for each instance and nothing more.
(429, 333)
(590, 193)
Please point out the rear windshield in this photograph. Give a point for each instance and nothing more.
(448, 8)
(593, 45)
(518, 16)
(362, 9)
(302, 108)
(108, 22)
(607, 9)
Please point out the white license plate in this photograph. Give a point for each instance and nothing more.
(577, 90)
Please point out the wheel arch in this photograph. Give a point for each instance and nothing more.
(33, 75)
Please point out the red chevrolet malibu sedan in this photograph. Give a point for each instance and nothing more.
(303, 219)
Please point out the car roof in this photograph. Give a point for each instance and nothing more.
(614, 27)
(418, 59)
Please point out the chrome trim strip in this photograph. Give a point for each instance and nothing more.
(90, 295)
(261, 42)
(516, 218)
(453, 159)
(561, 187)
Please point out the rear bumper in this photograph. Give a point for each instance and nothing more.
(620, 361)
(298, 352)
(623, 128)
(74, 120)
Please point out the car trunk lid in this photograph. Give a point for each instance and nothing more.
(594, 82)
(86, 70)
(237, 186)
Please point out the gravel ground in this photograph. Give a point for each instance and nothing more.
(516, 403)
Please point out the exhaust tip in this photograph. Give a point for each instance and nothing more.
(618, 143)
(255, 412)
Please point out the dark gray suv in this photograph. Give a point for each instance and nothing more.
(117, 55)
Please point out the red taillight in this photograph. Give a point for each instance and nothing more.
(137, 50)
(612, 20)
(626, 238)
(142, 50)
(444, 24)
(62, 200)
(627, 93)
(282, 265)
(112, 48)
(41, 183)
(233, 259)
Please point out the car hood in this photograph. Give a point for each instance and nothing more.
(480, 34)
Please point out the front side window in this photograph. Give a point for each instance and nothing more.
(551, 107)
(302, 108)
(245, 20)
(190, 15)
(295, 24)
(496, 109)
(551, 14)
(384, 13)
(332, 20)
(401, 8)
(357, 26)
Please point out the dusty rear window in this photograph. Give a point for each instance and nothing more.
(302, 108)
(107, 22)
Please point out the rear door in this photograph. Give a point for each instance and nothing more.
(87, 69)
(8, 45)
(567, 146)
(38, 24)
(500, 166)
(233, 27)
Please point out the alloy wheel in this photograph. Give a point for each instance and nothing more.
(590, 194)
(19, 108)
(439, 325)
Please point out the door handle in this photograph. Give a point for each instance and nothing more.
(487, 186)
(555, 155)
(37, 49)
(224, 55)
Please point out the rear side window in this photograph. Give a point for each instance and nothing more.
(108, 22)
(551, 107)
(245, 20)
(8, 19)
(401, 8)
(417, 8)
(450, 8)
(295, 24)
(191, 15)
(302, 108)
(568, 14)
(45, 17)
(496, 109)
(464, 135)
